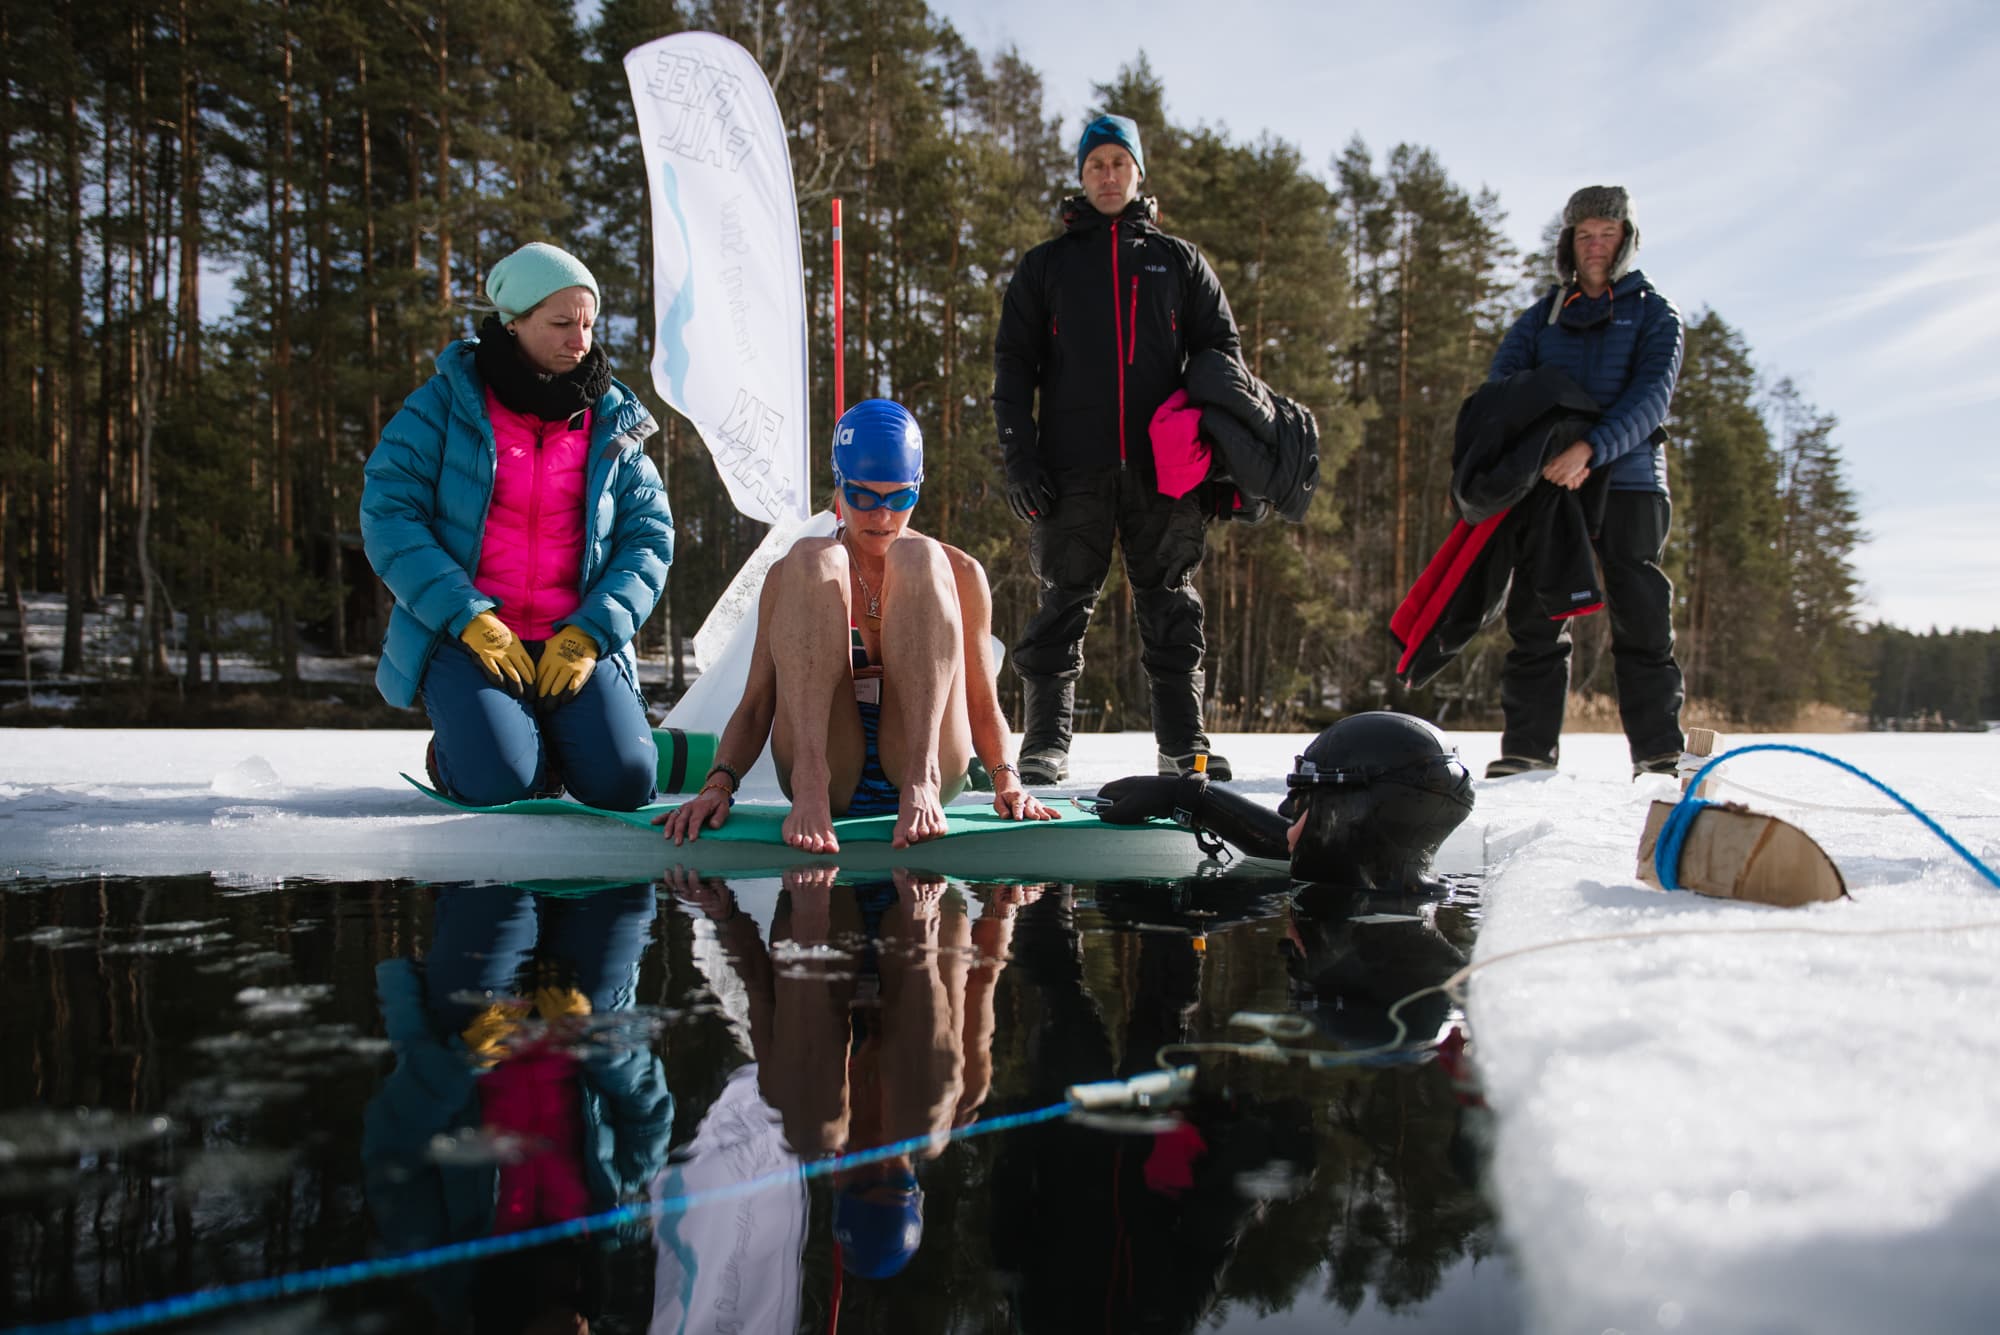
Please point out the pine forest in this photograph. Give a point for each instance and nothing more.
(237, 232)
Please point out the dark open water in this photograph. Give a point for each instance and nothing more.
(198, 1087)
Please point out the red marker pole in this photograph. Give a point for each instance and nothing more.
(839, 320)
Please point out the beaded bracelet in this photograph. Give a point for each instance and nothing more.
(722, 767)
(720, 788)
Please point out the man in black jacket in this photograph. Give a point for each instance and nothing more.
(1100, 322)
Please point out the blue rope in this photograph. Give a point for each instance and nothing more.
(1667, 849)
(1673, 834)
(210, 1301)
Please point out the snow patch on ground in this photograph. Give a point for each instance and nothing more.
(1723, 1117)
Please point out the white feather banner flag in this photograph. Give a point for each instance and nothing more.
(728, 286)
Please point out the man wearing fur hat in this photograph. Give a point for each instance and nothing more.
(1619, 339)
(1100, 323)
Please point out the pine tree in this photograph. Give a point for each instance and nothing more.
(1819, 530)
(1730, 603)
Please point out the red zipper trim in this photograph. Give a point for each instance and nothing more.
(1132, 326)
(1118, 333)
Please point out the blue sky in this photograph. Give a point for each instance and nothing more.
(1823, 173)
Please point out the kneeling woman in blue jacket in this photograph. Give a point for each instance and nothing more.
(525, 535)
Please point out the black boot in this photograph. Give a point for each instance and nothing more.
(1048, 711)
(1177, 727)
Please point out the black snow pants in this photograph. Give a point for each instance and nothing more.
(1070, 551)
(1534, 680)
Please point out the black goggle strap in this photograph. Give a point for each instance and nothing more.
(1307, 774)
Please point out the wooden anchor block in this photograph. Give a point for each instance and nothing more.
(1732, 852)
(1701, 745)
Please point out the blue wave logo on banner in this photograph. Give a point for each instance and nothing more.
(673, 347)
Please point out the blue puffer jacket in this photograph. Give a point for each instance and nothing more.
(423, 516)
(1624, 350)
(422, 1200)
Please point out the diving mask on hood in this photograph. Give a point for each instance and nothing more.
(1380, 792)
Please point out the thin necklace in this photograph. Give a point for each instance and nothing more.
(874, 609)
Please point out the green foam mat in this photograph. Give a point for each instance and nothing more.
(763, 822)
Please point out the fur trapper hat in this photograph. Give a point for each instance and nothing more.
(1598, 201)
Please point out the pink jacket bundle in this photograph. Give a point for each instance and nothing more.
(531, 555)
(1181, 457)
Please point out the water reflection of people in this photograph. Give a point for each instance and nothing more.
(1273, 1182)
(1356, 953)
(517, 1099)
(1095, 1230)
(1353, 955)
(870, 1021)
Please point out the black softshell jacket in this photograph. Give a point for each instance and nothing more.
(1101, 321)
(1507, 431)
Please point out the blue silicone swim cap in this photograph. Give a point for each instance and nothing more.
(878, 1237)
(878, 441)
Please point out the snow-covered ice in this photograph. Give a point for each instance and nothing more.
(1709, 1116)
(1722, 1117)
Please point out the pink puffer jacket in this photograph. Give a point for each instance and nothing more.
(531, 556)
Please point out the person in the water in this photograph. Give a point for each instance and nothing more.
(1367, 805)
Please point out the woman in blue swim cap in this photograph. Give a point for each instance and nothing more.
(873, 673)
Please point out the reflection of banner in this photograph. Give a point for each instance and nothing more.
(728, 284)
(732, 1263)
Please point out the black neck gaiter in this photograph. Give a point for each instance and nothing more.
(552, 398)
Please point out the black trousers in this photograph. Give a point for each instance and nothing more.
(1070, 552)
(1534, 681)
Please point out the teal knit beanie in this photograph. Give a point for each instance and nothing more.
(519, 283)
(1107, 129)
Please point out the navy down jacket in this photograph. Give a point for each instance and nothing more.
(1624, 350)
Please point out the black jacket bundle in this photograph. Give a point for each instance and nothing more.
(1509, 517)
(1101, 321)
(1266, 445)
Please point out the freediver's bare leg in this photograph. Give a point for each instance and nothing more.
(926, 738)
(816, 734)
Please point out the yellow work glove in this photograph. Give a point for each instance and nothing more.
(500, 652)
(487, 1034)
(567, 660)
(556, 1002)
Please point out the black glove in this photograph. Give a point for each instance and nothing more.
(1191, 800)
(1145, 797)
(1028, 490)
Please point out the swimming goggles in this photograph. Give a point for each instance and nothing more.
(861, 498)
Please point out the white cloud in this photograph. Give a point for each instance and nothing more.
(1930, 566)
(1922, 268)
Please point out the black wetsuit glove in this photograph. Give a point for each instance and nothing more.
(1145, 797)
(1028, 488)
(1191, 800)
